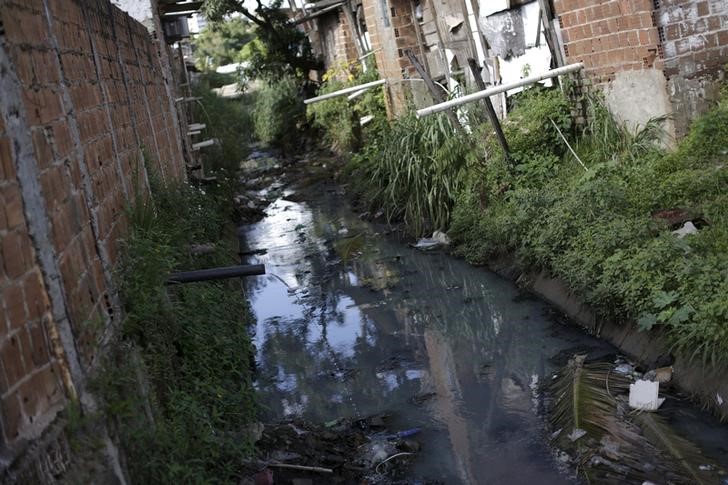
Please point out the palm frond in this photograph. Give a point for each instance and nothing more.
(684, 455)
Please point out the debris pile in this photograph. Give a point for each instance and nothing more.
(360, 451)
(606, 422)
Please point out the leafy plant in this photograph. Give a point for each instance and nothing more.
(178, 385)
(278, 111)
(338, 118)
(597, 230)
(413, 171)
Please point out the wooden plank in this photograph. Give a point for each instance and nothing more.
(434, 90)
(551, 38)
(475, 68)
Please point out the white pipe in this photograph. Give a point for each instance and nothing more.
(202, 144)
(469, 98)
(356, 94)
(342, 92)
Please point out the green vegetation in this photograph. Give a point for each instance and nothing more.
(413, 171)
(278, 112)
(228, 120)
(192, 341)
(597, 227)
(221, 43)
(279, 47)
(177, 387)
(338, 118)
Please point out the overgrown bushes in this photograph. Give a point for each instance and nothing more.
(229, 121)
(279, 110)
(596, 229)
(338, 118)
(192, 341)
(413, 171)
(596, 226)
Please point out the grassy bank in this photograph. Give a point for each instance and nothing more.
(596, 226)
(177, 386)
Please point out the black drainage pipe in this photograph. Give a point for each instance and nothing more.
(216, 273)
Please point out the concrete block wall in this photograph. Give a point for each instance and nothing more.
(650, 57)
(85, 98)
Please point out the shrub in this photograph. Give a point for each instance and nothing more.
(230, 122)
(193, 342)
(278, 112)
(338, 118)
(413, 171)
(595, 229)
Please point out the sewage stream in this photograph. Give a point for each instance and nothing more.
(353, 322)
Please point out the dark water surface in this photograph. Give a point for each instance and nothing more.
(432, 341)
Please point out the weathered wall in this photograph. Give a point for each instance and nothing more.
(83, 93)
(652, 58)
(392, 31)
(337, 45)
(694, 38)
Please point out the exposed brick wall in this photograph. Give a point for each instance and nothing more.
(609, 36)
(30, 381)
(337, 44)
(92, 96)
(391, 32)
(694, 35)
(676, 50)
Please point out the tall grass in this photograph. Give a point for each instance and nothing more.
(413, 171)
(278, 113)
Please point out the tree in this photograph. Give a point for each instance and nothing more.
(222, 43)
(282, 47)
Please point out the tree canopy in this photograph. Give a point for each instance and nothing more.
(222, 43)
(281, 47)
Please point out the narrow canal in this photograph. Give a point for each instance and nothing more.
(352, 322)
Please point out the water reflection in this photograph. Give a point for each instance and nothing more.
(373, 326)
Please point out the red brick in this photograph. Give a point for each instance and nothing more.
(13, 206)
(40, 392)
(42, 105)
(703, 9)
(11, 356)
(36, 298)
(12, 415)
(7, 167)
(43, 150)
(14, 304)
(37, 345)
(13, 254)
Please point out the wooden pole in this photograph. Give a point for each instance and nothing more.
(475, 68)
(552, 40)
(434, 91)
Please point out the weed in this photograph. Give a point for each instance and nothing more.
(279, 110)
(231, 123)
(192, 341)
(338, 118)
(413, 171)
(595, 229)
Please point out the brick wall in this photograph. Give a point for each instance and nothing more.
(391, 31)
(337, 44)
(694, 38)
(84, 94)
(668, 52)
(609, 37)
